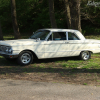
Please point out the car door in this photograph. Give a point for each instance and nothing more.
(38, 46)
(75, 44)
(56, 45)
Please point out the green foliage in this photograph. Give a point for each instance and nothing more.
(5, 15)
(34, 14)
(26, 14)
(90, 18)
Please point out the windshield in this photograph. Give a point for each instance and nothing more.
(42, 34)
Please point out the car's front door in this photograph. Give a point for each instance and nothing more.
(56, 45)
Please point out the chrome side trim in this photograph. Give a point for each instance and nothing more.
(54, 43)
(70, 50)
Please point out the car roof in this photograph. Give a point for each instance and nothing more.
(66, 30)
(63, 30)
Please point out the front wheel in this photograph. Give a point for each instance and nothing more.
(85, 55)
(25, 58)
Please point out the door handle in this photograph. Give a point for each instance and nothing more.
(67, 42)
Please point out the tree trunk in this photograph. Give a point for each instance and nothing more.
(75, 14)
(1, 36)
(51, 13)
(68, 16)
(14, 20)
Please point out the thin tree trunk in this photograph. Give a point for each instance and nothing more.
(68, 16)
(1, 36)
(51, 13)
(75, 14)
(14, 20)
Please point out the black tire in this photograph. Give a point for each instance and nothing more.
(85, 55)
(25, 58)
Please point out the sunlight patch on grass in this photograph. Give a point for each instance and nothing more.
(9, 37)
(0, 56)
(90, 64)
(93, 37)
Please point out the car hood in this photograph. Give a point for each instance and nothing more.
(18, 42)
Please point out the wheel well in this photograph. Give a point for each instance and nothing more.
(91, 52)
(34, 55)
(86, 50)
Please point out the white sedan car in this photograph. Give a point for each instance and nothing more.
(49, 43)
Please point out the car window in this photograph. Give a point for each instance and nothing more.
(72, 36)
(56, 36)
(42, 34)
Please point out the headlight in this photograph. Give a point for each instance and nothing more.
(6, 49)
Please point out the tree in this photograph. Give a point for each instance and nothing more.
(73, 14)
(14, 20)
(51, 13)
(1, 36)
(68, 16)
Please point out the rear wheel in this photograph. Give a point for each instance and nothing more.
(85, 55)
(25, 58)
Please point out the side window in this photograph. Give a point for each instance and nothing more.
(72, 36)
(56, 36)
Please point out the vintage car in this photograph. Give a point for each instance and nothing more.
(49, 43)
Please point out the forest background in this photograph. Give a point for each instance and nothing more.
(22, 17)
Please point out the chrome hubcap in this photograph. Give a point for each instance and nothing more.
(25, 58)
(85, 55)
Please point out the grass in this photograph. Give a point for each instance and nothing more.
(93, 37)
(11, 37)
(71, 70)
(85, 84)
(92, 63)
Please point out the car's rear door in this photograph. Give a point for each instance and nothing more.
(75, 44)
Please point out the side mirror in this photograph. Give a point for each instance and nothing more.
(38, 39)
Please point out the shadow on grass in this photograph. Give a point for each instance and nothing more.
(4, 62)
(7, 67)
(19, 70)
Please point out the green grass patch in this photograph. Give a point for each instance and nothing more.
(93, 37)
(9, 37)
(85, 84)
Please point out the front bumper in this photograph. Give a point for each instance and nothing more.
(9, 56)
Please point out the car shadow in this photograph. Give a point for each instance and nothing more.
(13, 67)
(49, 60)
(4, 62)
